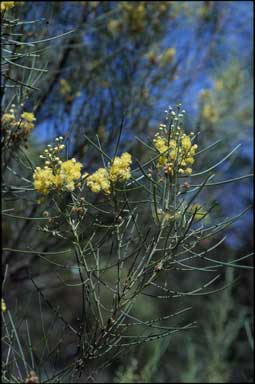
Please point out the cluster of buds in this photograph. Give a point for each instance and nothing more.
(186, 185)
(3, 305)
(50, 153)
(79, 209)
(168, 168)
(158, 267)
(32, 378)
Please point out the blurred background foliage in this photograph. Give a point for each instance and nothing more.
(125, 62)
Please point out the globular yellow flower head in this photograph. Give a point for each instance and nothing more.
(43, 180)
(186, 143)
(161, 144)
(27, 122)
(70, 171)
(99, 181)
(120, 168)
(3, 305)
(28, 116)
(104, 178)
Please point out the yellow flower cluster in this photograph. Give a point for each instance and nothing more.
(56, 174)
(5, 5)
(167, 56)
(27, 122)
(43, 179)
(114, 26)
(103, 178)
(219, 85)
(209, 113)
(9, 118)
(177, 152)
(69, 172)
(99, 181)
(28, 116)
(208, 110)
(3, 305)
(120, 168)
(24, 125)
(134, 15)
(16, 129)
(168, 150)
(65, 88)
